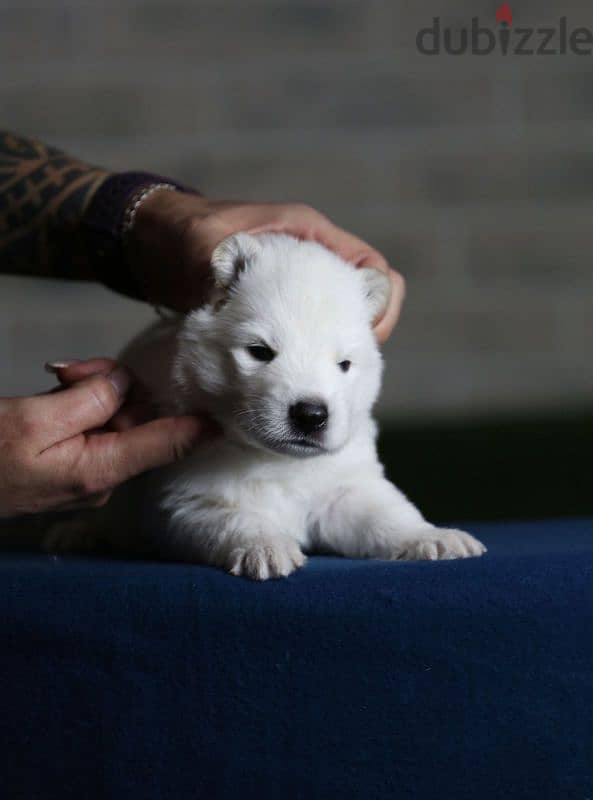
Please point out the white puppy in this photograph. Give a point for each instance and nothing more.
(285, 359)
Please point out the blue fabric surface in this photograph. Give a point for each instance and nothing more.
(469, 679)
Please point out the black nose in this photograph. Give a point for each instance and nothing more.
(308, 417)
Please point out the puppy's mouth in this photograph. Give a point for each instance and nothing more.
(300, 447)
(307, 444)
(296, 447)
(283, 442)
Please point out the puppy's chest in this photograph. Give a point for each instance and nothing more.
(271, 486)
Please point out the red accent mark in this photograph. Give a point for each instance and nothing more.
(504, 14)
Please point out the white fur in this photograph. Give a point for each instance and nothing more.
(254, 500)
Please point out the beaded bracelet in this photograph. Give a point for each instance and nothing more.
(130, 212)
(110, 215)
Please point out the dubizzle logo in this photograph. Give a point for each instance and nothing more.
(480, 40)
(504, 14)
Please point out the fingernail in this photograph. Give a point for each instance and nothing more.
(53, 366)
(121, 380)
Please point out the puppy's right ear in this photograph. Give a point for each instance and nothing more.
(230, 258)
(377, 290)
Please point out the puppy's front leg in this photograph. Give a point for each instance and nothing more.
(373, 519)
(241, 542)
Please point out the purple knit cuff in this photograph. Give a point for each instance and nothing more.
(102, 223)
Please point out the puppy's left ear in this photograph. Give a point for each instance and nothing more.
(377, 289)
(230, 258)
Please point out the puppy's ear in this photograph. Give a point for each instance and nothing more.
(231, 256)
(377, 289)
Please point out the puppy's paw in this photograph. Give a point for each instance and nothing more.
(265, 558)
(70, 536)
(440, 545)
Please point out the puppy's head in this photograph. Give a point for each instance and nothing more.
(284, 356)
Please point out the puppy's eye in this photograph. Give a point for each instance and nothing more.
(345, 365)
(261, 352)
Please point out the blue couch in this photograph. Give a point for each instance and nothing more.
(350, 679)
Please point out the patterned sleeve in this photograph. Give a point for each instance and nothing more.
(43, 196)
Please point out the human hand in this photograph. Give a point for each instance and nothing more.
(69, 449)
(175, 233)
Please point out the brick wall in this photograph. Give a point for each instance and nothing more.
(473, 174)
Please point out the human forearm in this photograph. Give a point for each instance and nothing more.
(63, 218)
(43, 196)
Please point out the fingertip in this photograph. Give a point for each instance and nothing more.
(121, 380)
(385, 326)
(194, 428)
(160, 442)
(69, 372)
(382, 331)
(399, 284)
(53, 367)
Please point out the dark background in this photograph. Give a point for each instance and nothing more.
(473, 174)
